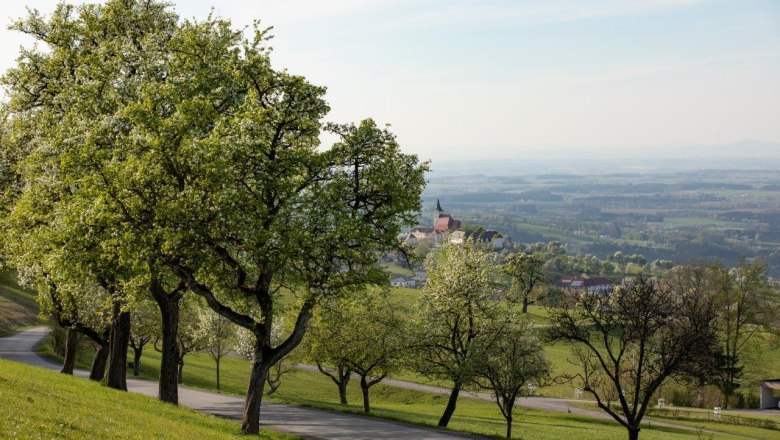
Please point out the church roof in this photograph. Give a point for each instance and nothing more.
(438, 206)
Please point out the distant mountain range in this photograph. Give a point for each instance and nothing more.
(746, 154)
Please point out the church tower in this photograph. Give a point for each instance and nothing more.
(436, 212)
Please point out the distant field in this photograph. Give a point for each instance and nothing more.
(395, 269)
(700, 221)
(38, 403)
(553, 233)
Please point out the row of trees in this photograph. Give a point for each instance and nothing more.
(467, 329)
(145, 158)
(691, 323)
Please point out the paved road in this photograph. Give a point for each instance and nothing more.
(305, 422)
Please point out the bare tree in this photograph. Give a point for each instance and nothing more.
(628, 343)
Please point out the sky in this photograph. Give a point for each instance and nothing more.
(495, 79)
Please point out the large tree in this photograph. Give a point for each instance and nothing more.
(629, 342)
(104, 109)
(295, 220)
(458, 305)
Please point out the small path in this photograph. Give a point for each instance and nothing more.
(304, 422)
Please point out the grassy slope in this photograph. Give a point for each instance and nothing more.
(43, 404)
(18, 307)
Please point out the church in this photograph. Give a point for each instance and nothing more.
(443, 222)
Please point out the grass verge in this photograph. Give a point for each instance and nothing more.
(42, 404)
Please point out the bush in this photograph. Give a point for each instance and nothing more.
(682, 397)
(753, 401)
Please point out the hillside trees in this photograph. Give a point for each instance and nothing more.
(363, 334)
(745, 305)
(455, 324)
(105, 111)
(197, 166)
(628, 343)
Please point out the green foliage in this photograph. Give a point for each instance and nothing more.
(365, 334)
(456, 310)
(513, 365)
(526, 272)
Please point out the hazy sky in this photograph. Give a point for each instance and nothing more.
(501, 79)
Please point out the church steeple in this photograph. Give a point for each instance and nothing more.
(436, 211)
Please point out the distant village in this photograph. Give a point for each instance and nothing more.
(446, 228)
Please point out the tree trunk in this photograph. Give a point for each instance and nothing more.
(633, 433)
(217, 359)
(71, 347)
(180, 373)
(525, 304)
(98, 370)
(137, 352)
(343, 391)
(117, 357)
(450, 409)
(507, 406)
(250, 421)
(169, 376)
(364, 389)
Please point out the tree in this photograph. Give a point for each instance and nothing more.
(628, 343)
(457, 306)
(512, 365)
(364, 335)
(109, 105)
(199, 166)
(326, 346)
(144, 328)
(284, 366)
(189, 337)
(746, 306)
(217, 335)
(311, 221)
(526, 272)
